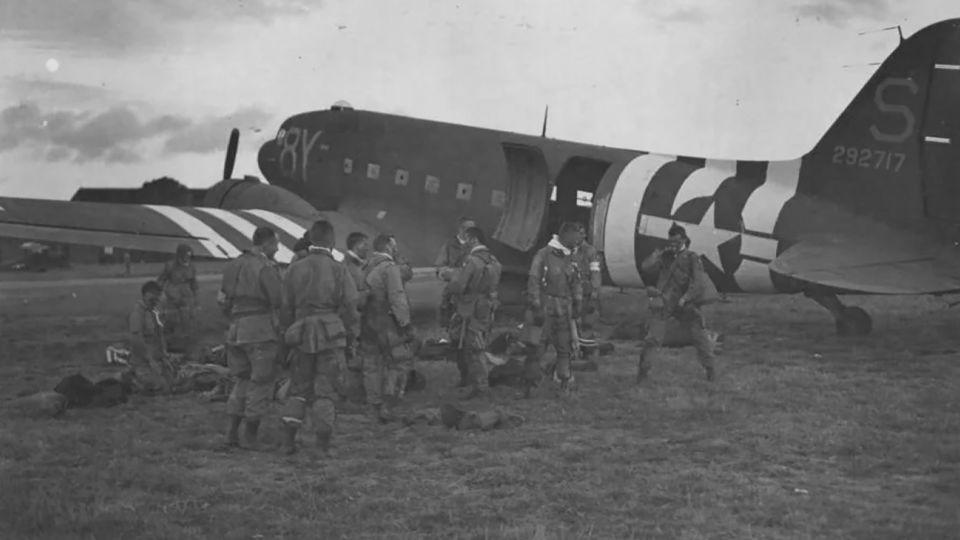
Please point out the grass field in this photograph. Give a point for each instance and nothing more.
(804, 435)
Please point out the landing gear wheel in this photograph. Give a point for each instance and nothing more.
(854, 321)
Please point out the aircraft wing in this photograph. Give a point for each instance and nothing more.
(210, 232)
(892, 264)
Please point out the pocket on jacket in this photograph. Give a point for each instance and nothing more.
(293, 336)
(333, 328)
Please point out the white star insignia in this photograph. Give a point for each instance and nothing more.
(706, 239)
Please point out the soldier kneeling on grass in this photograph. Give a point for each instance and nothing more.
(149, 362)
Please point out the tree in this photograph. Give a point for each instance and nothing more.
(164, 190)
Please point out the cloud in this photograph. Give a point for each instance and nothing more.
(84, 135)
(58, 153)
(122, 155)
(671, 12)
(211, 133)
(168, 122)
(45, 90)
(114, 135)
(685, 15)
(840, 12)
(120, 25)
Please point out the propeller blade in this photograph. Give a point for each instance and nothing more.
(231, 153)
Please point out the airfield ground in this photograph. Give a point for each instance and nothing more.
(804, 435)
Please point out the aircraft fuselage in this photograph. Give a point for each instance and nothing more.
(886, 173)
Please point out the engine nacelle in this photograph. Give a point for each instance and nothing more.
(250, 193)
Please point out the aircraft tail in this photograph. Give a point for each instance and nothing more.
(896, 147)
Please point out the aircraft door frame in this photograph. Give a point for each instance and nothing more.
(528, 188)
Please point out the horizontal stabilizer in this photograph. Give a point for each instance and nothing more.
(899, 263)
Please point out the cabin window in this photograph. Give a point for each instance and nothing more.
(280, 135)
(432, 185)
(402, 177)
(553, 194)
(498, 198)
(347, 165)
(373, 171)
(584, 199)
(464, 191)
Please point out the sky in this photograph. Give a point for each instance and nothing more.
(113, 93)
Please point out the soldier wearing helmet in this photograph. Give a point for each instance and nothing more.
(179, 282)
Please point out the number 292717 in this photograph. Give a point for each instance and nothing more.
(868, 158)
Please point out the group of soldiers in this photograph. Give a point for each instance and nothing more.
(325, 320)
(336, 322)
(563, 301)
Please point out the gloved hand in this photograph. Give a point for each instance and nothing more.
(535, 310)
(221, 297)
(447, 273)
(686, 312)
(494, 306)
(590, 305)
(284, 357)
(351, 349)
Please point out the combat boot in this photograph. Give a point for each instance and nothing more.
(324, 436)
(379, 413)
(473, 391)
(233, 433)
(250, 435)
(711, 373)
(642, 369)
(289, 439)
(463, 370)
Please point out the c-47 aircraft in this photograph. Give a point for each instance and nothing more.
(872, 208)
